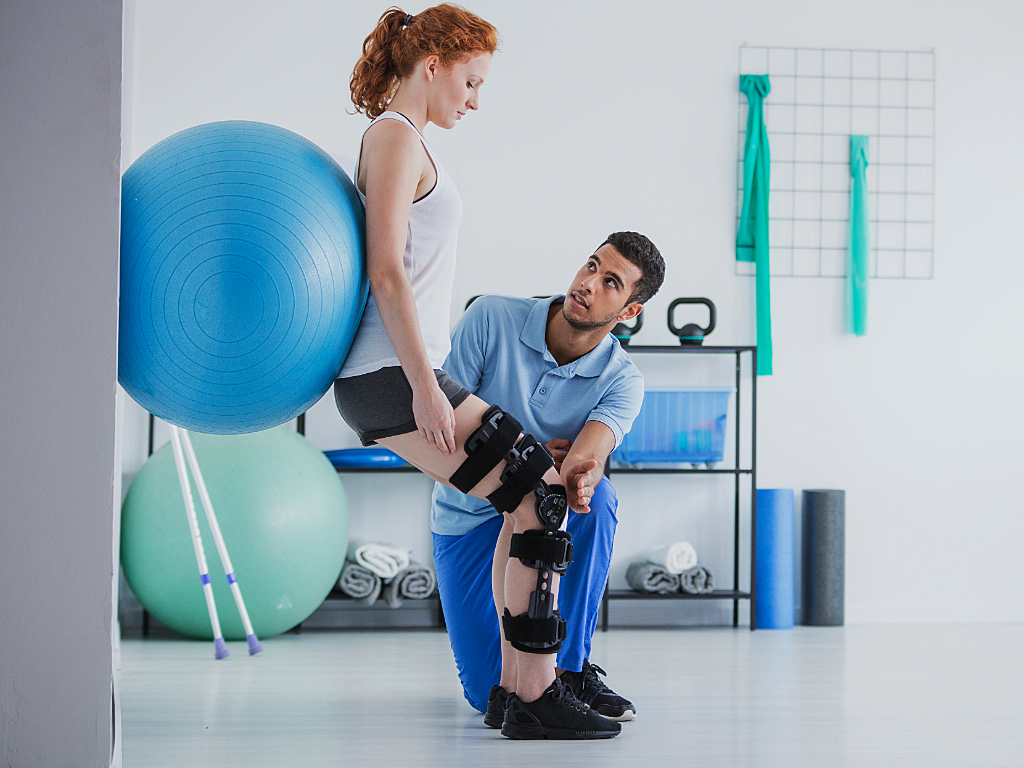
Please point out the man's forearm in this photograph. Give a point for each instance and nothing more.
(594, 443)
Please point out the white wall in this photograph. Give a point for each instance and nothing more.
(606, 116)
(60, 114)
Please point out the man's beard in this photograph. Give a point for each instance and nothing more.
(586, 325)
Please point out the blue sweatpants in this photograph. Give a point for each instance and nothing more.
(463, 565)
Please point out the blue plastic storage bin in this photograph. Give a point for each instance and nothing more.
(678, 425)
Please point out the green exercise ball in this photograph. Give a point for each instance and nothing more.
(281, 509)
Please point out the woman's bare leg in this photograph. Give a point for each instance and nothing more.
(509, 667)
(534, 672)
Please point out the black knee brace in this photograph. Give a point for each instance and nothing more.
(541, 629)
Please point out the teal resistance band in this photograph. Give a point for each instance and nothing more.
(860, 233)
(752, 237)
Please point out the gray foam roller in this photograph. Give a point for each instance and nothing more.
(824, 557)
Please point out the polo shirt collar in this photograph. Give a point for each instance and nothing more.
(534, 332)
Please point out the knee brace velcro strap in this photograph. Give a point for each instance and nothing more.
(534, 635)
(540, 549)
(486, 448)
(527, 464)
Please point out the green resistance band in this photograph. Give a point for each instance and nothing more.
(860, 234)
(752, 237)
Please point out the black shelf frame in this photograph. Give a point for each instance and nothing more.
(737, 471)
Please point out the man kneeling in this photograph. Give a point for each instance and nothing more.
(554, 366)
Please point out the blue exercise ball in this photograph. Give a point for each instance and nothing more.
(242, 276)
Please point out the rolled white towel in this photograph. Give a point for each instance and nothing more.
(674, 558)
(384, 560)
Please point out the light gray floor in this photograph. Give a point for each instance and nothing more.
(859, 696)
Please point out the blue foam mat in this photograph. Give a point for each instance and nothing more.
(365, 458)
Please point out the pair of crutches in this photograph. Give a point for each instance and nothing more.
(180, 438)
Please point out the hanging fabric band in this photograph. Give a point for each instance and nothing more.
(860, 233)
(752, 237)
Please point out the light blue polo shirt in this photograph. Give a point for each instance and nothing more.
(500, 355)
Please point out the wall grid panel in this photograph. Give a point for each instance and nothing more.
(819, 98)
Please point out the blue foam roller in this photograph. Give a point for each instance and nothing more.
(775, 529)
(242, 276)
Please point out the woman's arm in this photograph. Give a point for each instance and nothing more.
(394, 159)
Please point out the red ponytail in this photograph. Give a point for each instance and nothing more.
(399, 41)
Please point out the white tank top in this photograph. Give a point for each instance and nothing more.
(429, 261)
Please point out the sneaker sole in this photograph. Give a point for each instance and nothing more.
(621, 717)
(493, 721)
(514, 731)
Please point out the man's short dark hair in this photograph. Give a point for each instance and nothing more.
(642, 252)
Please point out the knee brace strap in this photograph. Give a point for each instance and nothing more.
(540, 549)
(527, 464)
(540, 635)
(486, 448)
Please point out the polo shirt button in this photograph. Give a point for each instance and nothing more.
(543, 391)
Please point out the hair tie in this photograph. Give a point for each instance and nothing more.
(407, 21)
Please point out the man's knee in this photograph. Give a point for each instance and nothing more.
(463, 565)
(603, 515)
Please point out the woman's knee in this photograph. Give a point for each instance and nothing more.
(524, 517)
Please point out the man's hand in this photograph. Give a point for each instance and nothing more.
(558, 448)
(583, 465)
(579, 480)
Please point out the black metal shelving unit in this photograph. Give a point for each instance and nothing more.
(737, 471)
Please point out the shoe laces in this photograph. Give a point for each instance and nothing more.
(591, 678)
(564, 694)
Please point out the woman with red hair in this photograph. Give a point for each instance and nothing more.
(414, 70)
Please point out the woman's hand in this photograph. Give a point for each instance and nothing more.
(435, 417)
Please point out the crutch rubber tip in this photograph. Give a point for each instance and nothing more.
(220, 650)
(254, 644)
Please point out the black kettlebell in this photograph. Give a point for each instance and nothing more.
(691, 334)
(622, 332)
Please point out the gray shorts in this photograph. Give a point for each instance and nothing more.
(379, 404)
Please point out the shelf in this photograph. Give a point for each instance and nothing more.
(339, 611)
(376, 470)
(718, 594)
(686, 350)
(342, 601)
(675, 471)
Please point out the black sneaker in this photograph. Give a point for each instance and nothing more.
(590, 689)
(496, 702)
(557, 714)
